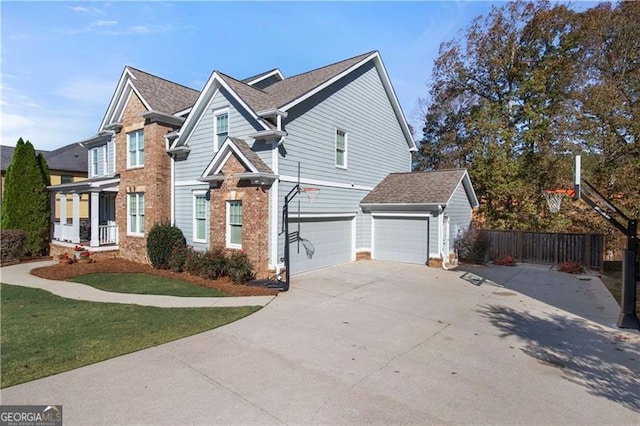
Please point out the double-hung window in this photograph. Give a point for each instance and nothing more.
(135, 209)
(200, 217)
(94, 162)
(221, 119)
(234, 224)
(341, 148)
(135, 149)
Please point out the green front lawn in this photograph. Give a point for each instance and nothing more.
(146, 284)
(43, 334)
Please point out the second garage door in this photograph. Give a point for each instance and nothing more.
(329, 238)
(403, 239)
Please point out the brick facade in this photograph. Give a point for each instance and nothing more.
(255, 216)
(153, 179)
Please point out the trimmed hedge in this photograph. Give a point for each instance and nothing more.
(162, 241)
(12, 244)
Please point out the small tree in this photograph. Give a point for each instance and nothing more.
(162, 241)
(26, 203)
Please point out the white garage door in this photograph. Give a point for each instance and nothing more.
(401, 239)
(330, 240)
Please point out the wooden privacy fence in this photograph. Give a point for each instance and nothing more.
(547, 247)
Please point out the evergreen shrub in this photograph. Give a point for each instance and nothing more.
(162, 240)
(11, 244)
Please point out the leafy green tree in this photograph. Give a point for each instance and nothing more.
(26, 203)
(524, 89)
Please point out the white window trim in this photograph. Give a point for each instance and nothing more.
(216, 113)
(94, 172)
(335, 148)
(105, 158)
(199, 193)
(228, 226)
(137, 166)
(129, 194)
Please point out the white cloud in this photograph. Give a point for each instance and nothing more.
(86, 90)
(103, 23)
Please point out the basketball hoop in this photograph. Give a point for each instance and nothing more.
(554, 198)
(312, 194)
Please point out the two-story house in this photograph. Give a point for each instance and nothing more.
(220, 162)
(129, 171)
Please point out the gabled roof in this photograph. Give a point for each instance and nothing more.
(163, 95)
(289, 92)
(432, 188)
(155, 93)
(249, 159)
(69, 158)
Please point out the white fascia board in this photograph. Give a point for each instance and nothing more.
(294, 179)
(126, 74)
(242, 102)
(264, 77)
(199, 108)
(100, 138)
(294, 215)
(272, 112)
(188, 182)
(391, 93)
(264, 134)
(221, 157)
(473, 199)
(401, 214)
(400, 207)
(123, 100)
(327, 83)
(196, 110)
(163, 117)
(183, 112)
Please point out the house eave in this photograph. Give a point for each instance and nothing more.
(272, 112)
(115, 126)
(257, 178)
(378, 207)
(268, 134)
(164, 118)
(100, 138)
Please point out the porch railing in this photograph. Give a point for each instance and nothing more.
(65, 232)
(108, 234)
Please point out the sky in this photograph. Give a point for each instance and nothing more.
(60, 62)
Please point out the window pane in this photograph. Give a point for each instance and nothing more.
(200, 229)
(236, 234)
(340, 158)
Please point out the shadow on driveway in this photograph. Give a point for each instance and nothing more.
(606, 363)
(582, 295)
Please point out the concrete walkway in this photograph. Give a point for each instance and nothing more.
(20, 275)
(373, 342)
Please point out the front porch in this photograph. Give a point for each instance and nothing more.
(100, 228)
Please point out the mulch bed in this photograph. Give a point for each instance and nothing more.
(66, 272)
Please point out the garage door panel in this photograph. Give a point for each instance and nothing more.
(401, 239)
(330, 240)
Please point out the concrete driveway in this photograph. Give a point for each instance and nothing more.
(373, 342)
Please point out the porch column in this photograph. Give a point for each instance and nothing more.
(75, 233)
(53, 235)
(94, 215)
(63, 208)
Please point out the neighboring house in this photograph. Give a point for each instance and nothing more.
(219, 163)
(417, 216)
(67, 164)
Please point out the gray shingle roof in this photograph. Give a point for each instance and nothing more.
(251, 155)
(294, 87)
(163, 95)
(72, 158)
(69, 158)
(416, 188)
(281, 93)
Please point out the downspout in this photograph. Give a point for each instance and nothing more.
(443, 256)
(275, 188)
(172, 183)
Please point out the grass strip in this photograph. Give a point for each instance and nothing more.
(146, 284)
(44, 334)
